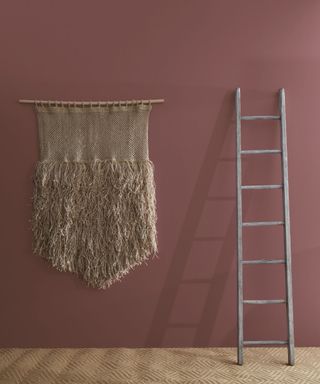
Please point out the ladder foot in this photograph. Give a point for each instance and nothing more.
(240, 356)
(291, 356)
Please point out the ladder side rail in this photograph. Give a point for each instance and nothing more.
(239, 229)
(287, 235)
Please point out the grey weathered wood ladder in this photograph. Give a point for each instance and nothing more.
(286, 223)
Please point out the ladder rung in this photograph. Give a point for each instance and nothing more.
(264, 342)
(281, 261)
(264, 301)
(261, 223)
(271, 186)
(259, 151)
(268, 117)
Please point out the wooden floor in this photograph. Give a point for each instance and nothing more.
(157, 365)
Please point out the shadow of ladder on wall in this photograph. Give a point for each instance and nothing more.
(285, 223)
(175, 278)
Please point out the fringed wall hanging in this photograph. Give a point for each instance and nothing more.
(94, 206)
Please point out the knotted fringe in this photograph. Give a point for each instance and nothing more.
(96, 219)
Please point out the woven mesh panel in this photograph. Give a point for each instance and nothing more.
(91, 133)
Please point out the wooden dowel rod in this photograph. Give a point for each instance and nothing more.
(93, 103)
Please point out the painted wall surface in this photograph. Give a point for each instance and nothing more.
(193, 53)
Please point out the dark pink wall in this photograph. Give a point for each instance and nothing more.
(193, 54)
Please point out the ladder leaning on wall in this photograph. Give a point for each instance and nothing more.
(285, 223)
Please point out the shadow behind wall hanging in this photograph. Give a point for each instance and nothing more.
(94, 207)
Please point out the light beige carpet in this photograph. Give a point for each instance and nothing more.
(157, 365)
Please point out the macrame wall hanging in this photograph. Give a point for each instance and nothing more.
(94, 205)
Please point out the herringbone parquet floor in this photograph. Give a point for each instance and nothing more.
(157, 365)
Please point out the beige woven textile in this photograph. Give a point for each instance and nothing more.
(94, 206)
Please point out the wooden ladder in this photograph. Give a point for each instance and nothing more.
(285, 223)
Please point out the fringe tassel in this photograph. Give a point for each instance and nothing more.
(96, 219)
